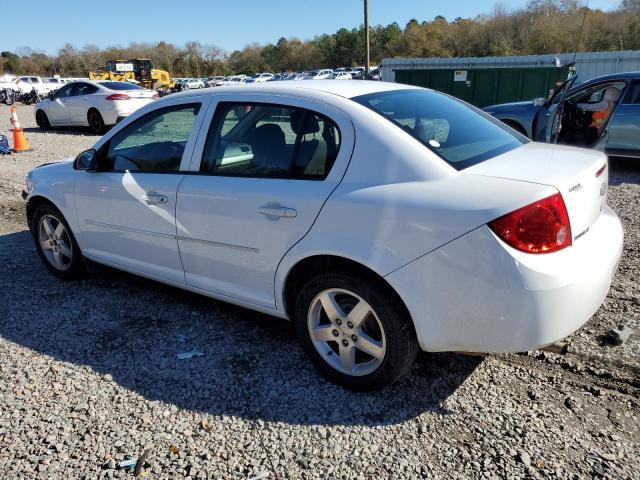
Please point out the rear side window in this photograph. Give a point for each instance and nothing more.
(458, 134)
(273, 141)
(633, 96)
(155, 142)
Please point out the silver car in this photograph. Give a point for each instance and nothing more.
(602, 113)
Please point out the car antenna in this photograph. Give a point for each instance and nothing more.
(569, 84)
(584, 18)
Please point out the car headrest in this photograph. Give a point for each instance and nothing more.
(310, 126)
(268, 134)
(611, 94)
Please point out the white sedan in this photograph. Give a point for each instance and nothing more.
(342, 76)
(193, 83)
(380, 218)
(93, 104)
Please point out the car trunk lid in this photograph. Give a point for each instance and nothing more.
(577, 173)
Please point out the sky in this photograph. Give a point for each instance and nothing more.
(228, 24)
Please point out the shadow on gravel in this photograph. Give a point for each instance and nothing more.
(624, 170)
(252, 367)
(82, 131)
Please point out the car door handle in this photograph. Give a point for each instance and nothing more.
(273, 211)
(153, 198)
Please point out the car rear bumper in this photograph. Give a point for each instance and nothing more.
(478, 294)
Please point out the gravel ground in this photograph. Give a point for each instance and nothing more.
(89, 377)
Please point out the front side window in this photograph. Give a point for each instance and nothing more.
(155, 142)
(86, 89)
(595, 94)
(261, 140)
(65, 91)
(461, 136)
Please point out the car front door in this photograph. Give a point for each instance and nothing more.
(78, 103)
(623, 130)
(126, 210)
(264, 173)
(542, 124)
(57, 110)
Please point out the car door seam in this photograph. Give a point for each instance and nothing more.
(175, 223)
(344, 173)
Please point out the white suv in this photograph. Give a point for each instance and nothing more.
(26, 84)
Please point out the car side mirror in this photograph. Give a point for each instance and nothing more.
(87, 160)
(50, 95)
(539, 102)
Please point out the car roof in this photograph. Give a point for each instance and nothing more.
(346, 89)
(613, 76)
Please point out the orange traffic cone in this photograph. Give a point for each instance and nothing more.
(20, 143)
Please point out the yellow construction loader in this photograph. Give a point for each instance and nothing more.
(138, 69)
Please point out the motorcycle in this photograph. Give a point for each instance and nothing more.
(7, 96)
(30, 97)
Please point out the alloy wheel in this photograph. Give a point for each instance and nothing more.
(346, 332)
(55, 242)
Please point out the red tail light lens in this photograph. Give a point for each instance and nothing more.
(118, 96)
(542, 227)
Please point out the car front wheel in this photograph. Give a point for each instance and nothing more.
(42, 120)
(55, 243)
(356, 332)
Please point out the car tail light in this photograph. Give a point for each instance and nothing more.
(118, 96)
(155, 95)
(542, 227)
(601, 170)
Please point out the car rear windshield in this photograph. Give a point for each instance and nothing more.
(120, 86)
(457, 133)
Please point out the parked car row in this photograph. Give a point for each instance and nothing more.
(343, 73)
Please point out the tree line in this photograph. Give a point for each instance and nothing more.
(541, 27)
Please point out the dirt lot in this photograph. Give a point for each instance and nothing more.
(89, 377)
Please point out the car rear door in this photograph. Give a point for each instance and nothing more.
(126, 211)
(623, 130)
(262, 178)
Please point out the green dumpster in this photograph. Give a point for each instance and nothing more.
(487, 86)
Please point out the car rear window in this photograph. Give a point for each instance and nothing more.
(460, 135)
(120, 86)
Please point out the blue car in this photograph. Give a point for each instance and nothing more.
(602, 113)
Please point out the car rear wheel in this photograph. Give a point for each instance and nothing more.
(96, 123)
(356, 332)
(55, 243)
(42, 120)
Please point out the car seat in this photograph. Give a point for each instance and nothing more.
(312, 152)
(270, 148)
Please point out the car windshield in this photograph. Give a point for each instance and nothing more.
(120, 86)
(460, 135)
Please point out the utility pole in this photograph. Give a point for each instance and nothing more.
(366, 38)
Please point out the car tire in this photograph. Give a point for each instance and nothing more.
(388, 344)
(96, 123)
(56, 244)
(42, 120)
